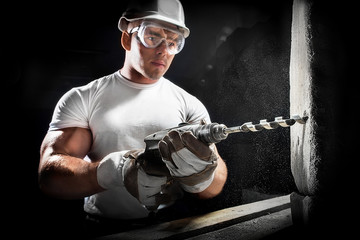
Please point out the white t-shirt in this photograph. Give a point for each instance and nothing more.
(120, 114)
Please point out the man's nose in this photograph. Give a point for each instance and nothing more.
(162, 48)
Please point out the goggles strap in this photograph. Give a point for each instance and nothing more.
(135, 29)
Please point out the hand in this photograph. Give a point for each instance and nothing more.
(122, 169)
(189, 160)
(109, 170)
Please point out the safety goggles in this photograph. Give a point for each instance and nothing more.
(151, 35)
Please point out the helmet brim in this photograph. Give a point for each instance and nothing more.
(123, 22)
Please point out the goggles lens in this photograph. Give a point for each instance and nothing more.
(151, 35)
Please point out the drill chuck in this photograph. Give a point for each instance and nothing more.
(210, 133)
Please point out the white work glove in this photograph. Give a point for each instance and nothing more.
(121, 169)
(189, 160)
(109, 170)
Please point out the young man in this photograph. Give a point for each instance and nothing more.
(97, 132)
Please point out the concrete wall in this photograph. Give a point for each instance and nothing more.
(321, 150)
(304, 153)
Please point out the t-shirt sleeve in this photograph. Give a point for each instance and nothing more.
(71, 111)
(196, 111)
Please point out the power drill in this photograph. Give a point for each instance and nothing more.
(208, 133)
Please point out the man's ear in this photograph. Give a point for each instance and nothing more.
(126, 40)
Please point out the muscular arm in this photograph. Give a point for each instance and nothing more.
(218, 183)
(62, 171)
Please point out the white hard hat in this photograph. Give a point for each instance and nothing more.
(170, 11)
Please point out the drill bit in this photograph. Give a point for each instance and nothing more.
(279, 121)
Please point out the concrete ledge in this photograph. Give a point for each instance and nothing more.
(194, 226)
(269, 226)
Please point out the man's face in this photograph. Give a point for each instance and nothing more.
(152, 63)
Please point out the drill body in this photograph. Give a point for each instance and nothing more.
(151, 159)
(207, 133)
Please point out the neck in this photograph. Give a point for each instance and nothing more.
(134, 76)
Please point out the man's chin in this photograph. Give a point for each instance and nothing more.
(155, 76)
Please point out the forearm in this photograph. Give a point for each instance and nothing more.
(217, 184)
(68, 177)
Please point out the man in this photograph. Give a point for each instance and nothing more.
(96, 136)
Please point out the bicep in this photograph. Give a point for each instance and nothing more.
(62, 171)
(75, 142)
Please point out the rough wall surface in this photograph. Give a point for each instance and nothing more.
(303, 145)
(321, 160)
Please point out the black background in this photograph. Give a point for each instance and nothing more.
(49, 48)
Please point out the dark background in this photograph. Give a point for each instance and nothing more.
(236, 60)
